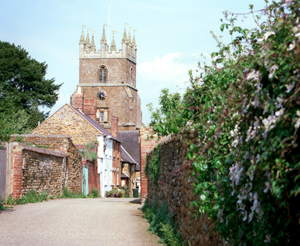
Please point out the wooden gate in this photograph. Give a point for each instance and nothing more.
(2, 172)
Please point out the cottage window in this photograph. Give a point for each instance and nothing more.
(102, 115)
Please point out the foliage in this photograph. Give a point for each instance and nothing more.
(23, 90)
(94, 193)
(152, 167)
(30, 197)
(89, 152)
(2, 205)
(69, 194)
(245, 109)
(161, 223)
(169, 118)
(115, 192)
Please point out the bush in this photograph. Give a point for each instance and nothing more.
(94, 193)
(162, 224)
(244, 109)
(30, 197)
(69, 194)
(115, 192)
(2, 205)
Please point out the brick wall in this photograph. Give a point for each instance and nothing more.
(175, 188)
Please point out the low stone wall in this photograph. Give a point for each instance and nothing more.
(49, 169)
(43, 173)
(175, 188)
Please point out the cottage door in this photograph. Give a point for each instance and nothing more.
(85, 181)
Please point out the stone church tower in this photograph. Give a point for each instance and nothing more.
(107, 81)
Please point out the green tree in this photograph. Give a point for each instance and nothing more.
(169, 117)
(25, 93)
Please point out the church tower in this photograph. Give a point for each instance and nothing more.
(107, 81)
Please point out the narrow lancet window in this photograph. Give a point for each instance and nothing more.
(103, 74)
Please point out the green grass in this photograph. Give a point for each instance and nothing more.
(2, 205)
(69, 194)
(162, 224)
(30, 197)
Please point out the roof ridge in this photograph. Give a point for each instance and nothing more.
(94, 123)
(129, 154)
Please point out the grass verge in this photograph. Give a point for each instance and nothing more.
(162, 224)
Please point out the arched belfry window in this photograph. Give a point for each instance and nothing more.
(103, 74)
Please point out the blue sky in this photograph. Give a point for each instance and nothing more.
(171, 36)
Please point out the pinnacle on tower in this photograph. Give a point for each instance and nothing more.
(87, 38)
(133, 39)
(103, 39)
(129, 37)
(124, 39)
(93, 42)
(82, 40)
(113, 43)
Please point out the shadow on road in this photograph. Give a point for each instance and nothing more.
(136, 201)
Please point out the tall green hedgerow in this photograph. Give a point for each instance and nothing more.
(152, 167)
(245, 109)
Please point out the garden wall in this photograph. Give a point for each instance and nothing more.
(174, 186)
(51, 167)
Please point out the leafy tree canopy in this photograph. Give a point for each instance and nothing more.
(23, 90)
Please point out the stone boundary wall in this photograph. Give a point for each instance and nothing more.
(175, 188)
(148, 141)
(51, 167)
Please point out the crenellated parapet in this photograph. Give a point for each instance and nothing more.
(88, 47)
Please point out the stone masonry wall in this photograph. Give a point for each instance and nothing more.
(43, 173)
(67, 122)
(148, 142)
(44, 163)
(175, 188)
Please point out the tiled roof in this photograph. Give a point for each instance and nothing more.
(45, 151)
(126, 157)
(95, 124)
(130, 141)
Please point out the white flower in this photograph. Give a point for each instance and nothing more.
(235, 143)
(272, 71)
(291, 46)
(268, 34)
(297, 124)
(235, 173)
(279, 112)
(289, 87)
(253, 75)
(269, 122)
(202, 197)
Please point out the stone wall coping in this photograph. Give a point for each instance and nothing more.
(45, 151)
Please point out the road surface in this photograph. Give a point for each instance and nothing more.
(103, 222)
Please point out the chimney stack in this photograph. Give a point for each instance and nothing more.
(114, 126)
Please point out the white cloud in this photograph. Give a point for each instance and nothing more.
(168, 68)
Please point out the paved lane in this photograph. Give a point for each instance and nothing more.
(102, 222)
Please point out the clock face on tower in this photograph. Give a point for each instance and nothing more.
(101, 95)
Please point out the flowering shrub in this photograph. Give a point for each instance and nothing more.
(245, 110)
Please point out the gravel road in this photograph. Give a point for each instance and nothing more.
(102, 222)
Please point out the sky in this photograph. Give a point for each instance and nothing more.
(171, 36)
